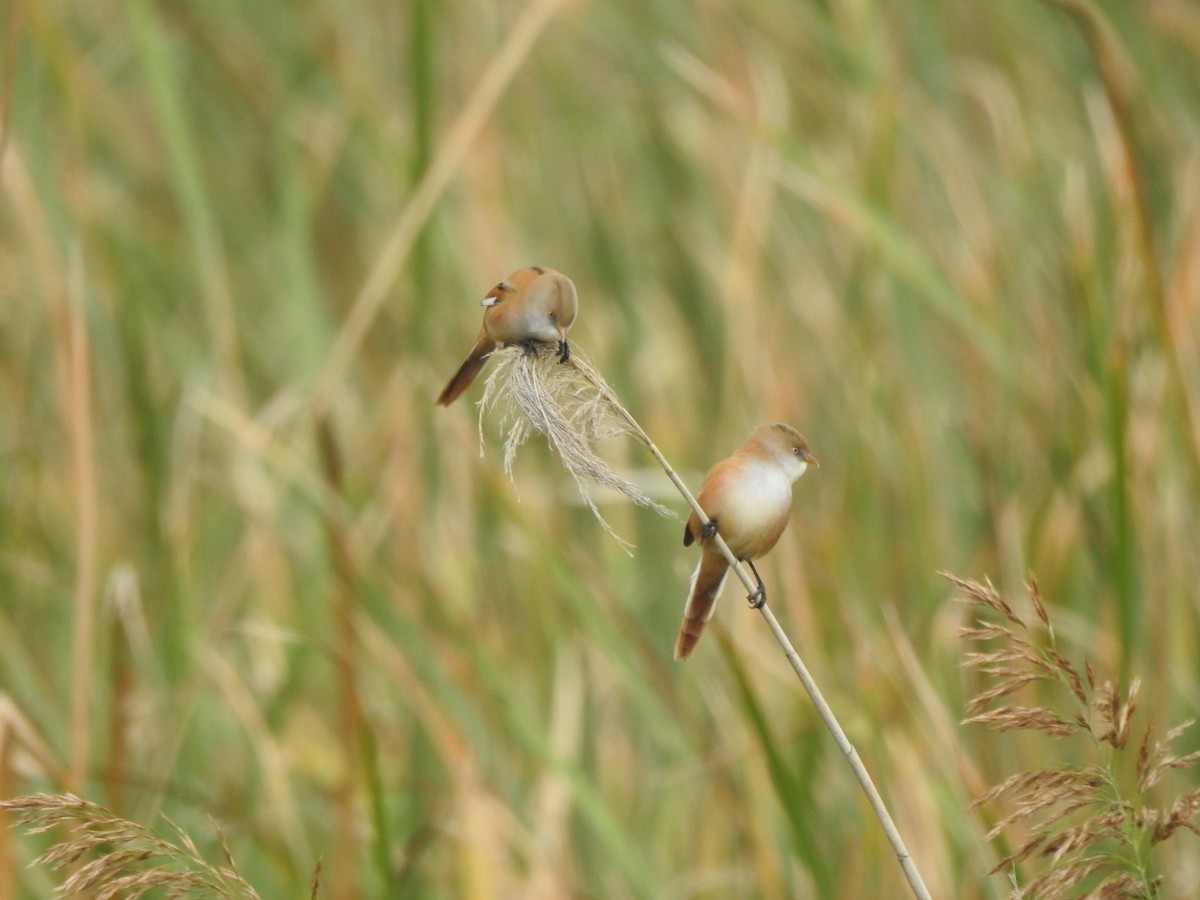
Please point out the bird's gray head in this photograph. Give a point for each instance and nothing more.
(787, 446)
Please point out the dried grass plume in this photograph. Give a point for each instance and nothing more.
(1087, 829)
(572, 405)
(127, 859)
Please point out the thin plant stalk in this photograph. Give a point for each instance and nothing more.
(823, 709)
(81, 430)
(350, 724)
(8, 875)
(8, 71)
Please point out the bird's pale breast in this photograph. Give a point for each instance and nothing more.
(751, 504)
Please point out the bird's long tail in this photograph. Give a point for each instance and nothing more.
(468, 370)
(707, 581)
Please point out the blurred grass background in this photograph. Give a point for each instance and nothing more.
(250, 571)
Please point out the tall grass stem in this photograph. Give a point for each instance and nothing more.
(350, 725)
(81, 429)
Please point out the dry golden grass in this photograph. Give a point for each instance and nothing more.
(958, 243)
(107, 857)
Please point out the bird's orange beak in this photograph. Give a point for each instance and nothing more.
(493, 297)
(810, 459)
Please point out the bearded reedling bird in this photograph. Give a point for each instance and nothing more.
(748, 498)
(530, 305)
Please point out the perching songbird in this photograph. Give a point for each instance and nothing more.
(532, 304)
(748, 498)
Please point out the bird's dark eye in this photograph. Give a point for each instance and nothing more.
(796, 450)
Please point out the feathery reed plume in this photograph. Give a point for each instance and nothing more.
(535, 393)
(1092, 825)
(131, 860)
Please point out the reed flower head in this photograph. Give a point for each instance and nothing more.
(1091, 826)
(572, 405)
(127, 859)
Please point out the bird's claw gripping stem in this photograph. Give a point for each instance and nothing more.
(758, 599)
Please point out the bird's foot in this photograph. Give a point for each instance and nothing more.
(564, 351)
(529, 345)
(758, 599)
(709, 529)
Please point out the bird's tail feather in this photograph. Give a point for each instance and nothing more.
(467, 371)
(707, 581)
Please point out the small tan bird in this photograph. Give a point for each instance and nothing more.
(533, 304)
(748, 498)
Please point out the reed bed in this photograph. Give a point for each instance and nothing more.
(251, 572)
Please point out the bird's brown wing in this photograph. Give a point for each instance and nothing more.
(690, 530)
